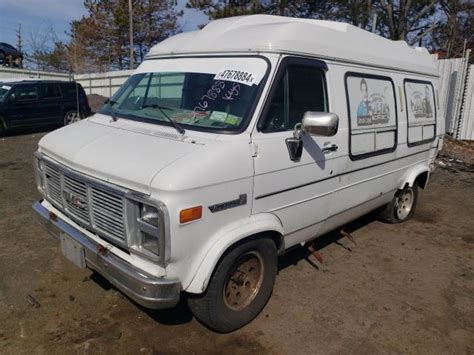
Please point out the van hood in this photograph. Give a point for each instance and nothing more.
(116, 153)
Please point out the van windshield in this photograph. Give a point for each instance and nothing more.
(210, 94)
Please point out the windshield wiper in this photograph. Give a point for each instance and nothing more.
(111, 103)
(178, 128)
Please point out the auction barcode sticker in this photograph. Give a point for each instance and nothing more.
(238, 76)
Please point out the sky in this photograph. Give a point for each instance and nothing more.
(40, 16)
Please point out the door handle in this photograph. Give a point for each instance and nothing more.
(331, 148)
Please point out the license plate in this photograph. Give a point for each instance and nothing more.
(73, 251)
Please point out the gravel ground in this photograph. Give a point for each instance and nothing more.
(405, 288)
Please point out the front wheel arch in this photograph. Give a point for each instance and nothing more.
(259, 225)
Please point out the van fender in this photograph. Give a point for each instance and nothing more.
(413, 173)
(237, 231)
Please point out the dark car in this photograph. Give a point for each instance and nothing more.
(10, 56)
(37, 103)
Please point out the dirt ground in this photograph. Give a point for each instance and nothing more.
(405, 288)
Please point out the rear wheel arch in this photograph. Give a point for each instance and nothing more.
(422, 179)
(418, 175)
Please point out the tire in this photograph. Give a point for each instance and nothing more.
(402, 207)
(71, 117)
(239, 288)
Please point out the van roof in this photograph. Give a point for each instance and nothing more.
(324, 39)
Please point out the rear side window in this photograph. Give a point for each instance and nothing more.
(421, 111)
(71, 90)
(49, 91)
(372, 115)
(300, 88)
(26, 92)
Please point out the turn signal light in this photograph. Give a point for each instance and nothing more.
(190, 214)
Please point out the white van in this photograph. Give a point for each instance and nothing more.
(230, 145)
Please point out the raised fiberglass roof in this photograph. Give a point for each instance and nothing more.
(324, 39)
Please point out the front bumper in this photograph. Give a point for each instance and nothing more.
(146, 290)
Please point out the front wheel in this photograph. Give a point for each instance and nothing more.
(239, 288)
(71, 116)
(403, 205)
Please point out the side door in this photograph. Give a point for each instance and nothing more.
(22, 106)
(50, 103)
(300, 191)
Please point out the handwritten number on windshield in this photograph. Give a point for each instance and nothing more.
(232, 92)
(210, 95)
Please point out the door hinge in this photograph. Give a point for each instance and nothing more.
(253, 150)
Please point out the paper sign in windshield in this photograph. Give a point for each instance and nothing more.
(238, 76)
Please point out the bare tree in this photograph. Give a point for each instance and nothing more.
(457, 30)
(408, 20)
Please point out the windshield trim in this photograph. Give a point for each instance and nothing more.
(247, 117)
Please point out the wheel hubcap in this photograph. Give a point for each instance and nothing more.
(244, 281)
(404, 203)
(71, 117)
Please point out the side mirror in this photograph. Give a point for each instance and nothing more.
(320, 123)
(11, 98)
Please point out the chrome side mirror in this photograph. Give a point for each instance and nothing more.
(323, 124)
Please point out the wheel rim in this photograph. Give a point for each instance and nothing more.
(404, 204)
(244, 281)
(71, 117)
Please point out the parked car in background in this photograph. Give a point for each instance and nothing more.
(10, 56)
(35, 103)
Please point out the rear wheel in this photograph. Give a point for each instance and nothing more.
(239, 288)
(403, 205)
(71, 116)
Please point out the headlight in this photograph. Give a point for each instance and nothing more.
(38, 165)
(149, 214)
(147, 239)
(150, 243)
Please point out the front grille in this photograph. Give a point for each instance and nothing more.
(97, 209)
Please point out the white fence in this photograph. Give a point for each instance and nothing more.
(456, 96)
(465, 126)
(24, 74)
(105, 84)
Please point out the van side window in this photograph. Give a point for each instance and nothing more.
(49, 91)
(421, 111)
(372, 115)
(26, 92)
(301, 88)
